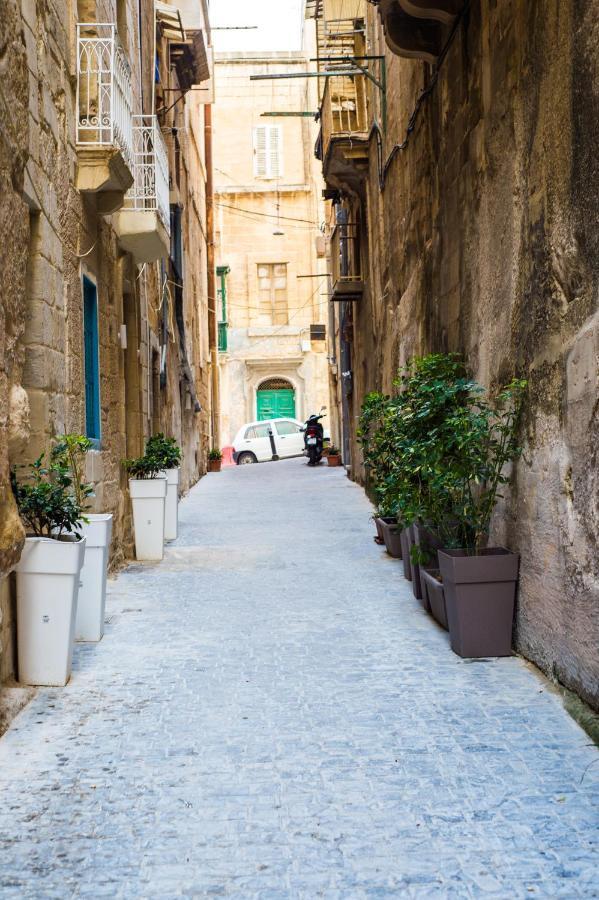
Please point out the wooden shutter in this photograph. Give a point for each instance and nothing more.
(260, 152)
(268, 155)
(275, 152)
(91, 358)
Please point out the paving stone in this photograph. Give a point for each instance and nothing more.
(272, 715)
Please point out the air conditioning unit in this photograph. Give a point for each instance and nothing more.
(318, 332)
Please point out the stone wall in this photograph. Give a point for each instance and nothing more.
(485, 241)
(53, 234)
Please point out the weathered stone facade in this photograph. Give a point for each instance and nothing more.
(60, 223)
(478, 234)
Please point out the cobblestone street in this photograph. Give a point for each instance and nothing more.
(271, 714)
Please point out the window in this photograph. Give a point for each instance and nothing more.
(287, 428)
(268, 152)
(91, 356)
(258, 431)
(272, 293)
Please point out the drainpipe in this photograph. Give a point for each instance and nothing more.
(212, 312)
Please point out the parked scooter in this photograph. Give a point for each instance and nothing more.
(314, 438)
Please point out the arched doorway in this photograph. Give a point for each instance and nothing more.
(275, 399)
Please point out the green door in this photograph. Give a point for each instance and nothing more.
(276, 404)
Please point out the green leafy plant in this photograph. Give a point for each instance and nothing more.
(69, 452)
(436, 451)
(215, 454)
(46, 500)
(333, 451)
(164, 450)
(143, 467)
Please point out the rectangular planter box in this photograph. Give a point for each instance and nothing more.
(47, 586)
(378, 524)
(480, 594)
(171, 505)
(392, 537)
(405, 553)
(416, 586)
(435, 596)
(429, 543)
(148, 497)
(89, 624)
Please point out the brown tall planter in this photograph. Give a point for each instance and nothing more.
(405, 553)
(427, 541)
(416, 586)
(333, 459)
(378, 524)
(480, 593)
(434, 592)
(392, 537)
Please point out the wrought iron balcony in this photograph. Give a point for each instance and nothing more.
(150, 189)
(143, 225)
(346, 265)
(104, 110)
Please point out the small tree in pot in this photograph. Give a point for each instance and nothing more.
(167, 452)
(48, 572)
(480, 581)
(333, 456)
(147, 488)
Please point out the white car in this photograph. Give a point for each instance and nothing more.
(260, 441)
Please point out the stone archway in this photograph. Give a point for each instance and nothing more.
(275, 399)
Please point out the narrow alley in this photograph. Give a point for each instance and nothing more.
(272, 714)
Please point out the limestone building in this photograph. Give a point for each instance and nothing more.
(271, 274)
(463, 171)
(104, 226)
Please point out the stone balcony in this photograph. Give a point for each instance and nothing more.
(343, 141)
(346, 265)
(104, 116)
(143, 224)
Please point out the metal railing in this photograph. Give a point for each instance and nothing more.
(345, 255)
(343, 111)
(150, 188)
(104, 95)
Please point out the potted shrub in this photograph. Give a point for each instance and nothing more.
(333, 456)
(168, 454)
(47, 573)
(96, 528)
(480, 581)
(147, 489)
(215, 459)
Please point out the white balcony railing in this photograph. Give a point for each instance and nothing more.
(104, 95)
(150, 189)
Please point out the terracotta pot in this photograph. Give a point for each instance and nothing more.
(405, 553)
(416, 586)
(480, 594)
(392, 537)
(435, 595)
(214, 465)
(334, 459)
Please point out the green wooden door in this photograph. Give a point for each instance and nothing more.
(276, 404)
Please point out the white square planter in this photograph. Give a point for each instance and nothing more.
(89, 625)
(47, 584)
(171, 509)
(148, 496)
